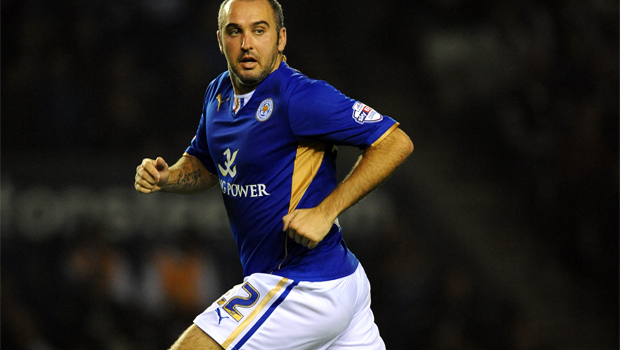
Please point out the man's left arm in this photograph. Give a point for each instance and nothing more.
(309, 226)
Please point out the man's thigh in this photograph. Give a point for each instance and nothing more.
(195, 338)
(362, 332)
(271, 312)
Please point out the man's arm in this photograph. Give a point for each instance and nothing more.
(309, 226)
(187, 176)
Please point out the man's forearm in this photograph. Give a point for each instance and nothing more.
(372, 169)
(188, 176)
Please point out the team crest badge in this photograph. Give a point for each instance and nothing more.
(264, 110)
(362, 114)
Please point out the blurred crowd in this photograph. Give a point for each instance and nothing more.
(90, 292)
(534, 94)
(529, 88)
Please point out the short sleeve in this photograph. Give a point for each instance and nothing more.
(199, 146)
(319, 112)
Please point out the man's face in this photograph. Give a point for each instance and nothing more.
(249, 40)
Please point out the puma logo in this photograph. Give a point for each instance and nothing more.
(220, 101)
(220, 316)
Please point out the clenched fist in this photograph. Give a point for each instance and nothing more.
(151, 175)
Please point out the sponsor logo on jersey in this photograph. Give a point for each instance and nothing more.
(363, 113)
(243, 191)
(264, 110)
(234, 189)
(230, 160)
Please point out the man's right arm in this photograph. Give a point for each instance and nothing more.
(187, 176)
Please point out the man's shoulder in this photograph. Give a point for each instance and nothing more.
(294, 81)
(288, 76)
(218, 85)
(221, 81)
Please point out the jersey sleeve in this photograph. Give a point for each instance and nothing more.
(319, 112)
(199, 146)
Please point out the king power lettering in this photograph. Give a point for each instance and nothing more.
(236, 190)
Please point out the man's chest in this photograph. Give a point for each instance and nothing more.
(255, 140)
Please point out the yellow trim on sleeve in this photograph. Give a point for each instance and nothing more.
(254, 313)
(385, 134)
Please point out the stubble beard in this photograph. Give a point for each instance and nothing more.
(248, 79)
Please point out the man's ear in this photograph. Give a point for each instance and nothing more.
(219, 42)
(282, 38)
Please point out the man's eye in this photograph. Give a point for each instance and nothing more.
(260, 31)
(234, 32)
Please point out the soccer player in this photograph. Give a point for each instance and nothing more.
(267, 139)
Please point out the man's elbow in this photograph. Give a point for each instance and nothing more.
(397, 146)
(404, 143)
(409, 146)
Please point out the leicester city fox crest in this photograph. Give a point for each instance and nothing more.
(264, 110)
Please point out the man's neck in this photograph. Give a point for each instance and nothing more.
(241, 89)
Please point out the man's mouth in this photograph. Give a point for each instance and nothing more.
(248, 62)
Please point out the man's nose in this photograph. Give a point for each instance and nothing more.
(246, 42)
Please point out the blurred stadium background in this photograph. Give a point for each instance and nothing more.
(500, 232)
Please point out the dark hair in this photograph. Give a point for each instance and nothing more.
(275, 5)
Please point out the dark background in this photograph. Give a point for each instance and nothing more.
(500, 232)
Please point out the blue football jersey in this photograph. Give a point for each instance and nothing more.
(277, 154)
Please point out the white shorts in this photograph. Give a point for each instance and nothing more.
(272, 312)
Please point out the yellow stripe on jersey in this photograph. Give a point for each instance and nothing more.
(307, 162)
(254, 313)
(385, 134)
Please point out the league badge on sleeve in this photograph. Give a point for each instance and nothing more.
(363, 113)
(264, 110)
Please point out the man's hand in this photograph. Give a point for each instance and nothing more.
(151, 175)
(307, 227)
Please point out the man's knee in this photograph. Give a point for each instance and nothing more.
(195, 338)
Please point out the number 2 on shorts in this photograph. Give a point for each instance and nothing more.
(242, 302)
